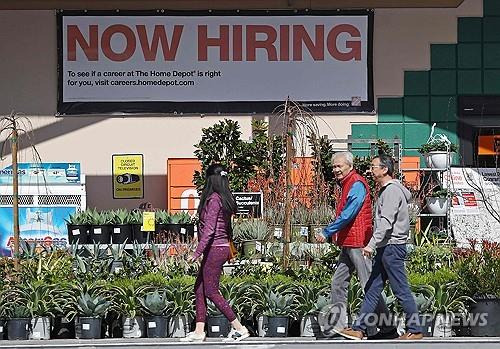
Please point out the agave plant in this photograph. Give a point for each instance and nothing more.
(155, 303)
(424, 298)
(77, 218)
(449, 301)
(301, 215)
(180, 293)
(99, 218)
(135, 217)
(251, 229)
(311, 298)
(92, 305)
(120, 216)
(322, 214)
(162, 217)
(354, 296)
(235, 291)
(280, 305)
(125, 297)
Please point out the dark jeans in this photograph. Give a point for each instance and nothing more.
(389, 265)
(352, 260)
(207, 283)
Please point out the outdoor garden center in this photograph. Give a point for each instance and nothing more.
(142, 140)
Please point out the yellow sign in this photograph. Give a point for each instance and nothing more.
(148, 221)
(128, 180)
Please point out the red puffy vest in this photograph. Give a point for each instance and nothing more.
(359, 232)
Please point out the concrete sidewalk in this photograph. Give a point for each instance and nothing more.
(259, 343)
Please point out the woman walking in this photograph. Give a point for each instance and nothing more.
(216, 207)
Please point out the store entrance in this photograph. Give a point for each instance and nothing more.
(478, 130)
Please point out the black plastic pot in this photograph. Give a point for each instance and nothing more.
(78, 233)
(427, 324)
(100, 234)
(141, 237)
(175, 228)
(485, 318)
(3, 329)
(62, 329)
(277, 326)
(121, 233)
(218, 326)
(162, 228)
(88, 328)
(18, 328)
(156, 326)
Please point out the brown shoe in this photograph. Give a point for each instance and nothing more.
(349, 333)
(411, 336)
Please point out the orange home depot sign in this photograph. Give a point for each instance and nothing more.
(488, 145)
(182, 194)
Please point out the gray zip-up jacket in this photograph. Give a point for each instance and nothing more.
(392, 222)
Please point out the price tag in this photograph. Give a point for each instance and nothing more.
(86, 327)
(75, 232)
(151, 324)
(304, 231)
(97, 231)
(117, 230)
(215, 329)
(148, 221)
(280, 329)
(183, 231)
(278, 232)
(258, 246)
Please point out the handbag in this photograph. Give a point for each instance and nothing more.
(233, 251)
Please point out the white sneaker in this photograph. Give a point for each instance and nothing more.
(194, 337)
(236, 336)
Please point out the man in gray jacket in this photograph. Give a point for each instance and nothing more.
(391, 231)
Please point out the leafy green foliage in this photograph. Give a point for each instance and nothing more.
(155, 303)
(437, 145)
(92, 305)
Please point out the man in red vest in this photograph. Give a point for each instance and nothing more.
(352, 230)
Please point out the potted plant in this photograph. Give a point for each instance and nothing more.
(78, 229)
(181, 311)
(478, 268)
(100, 226)
(18, 322)
(119, 257)
(63, 326)
(311, 298)
(139, 236)
(251, 233)
(448, 303)
(126, 302)
(122, 230)
(277, 312)
(321, 215)
(301, 218)
(275, 218)
(438, 152)
(155, 305)
(90, 309)
(162, 222)
(424, 298)
(187, 226)
(438, 201)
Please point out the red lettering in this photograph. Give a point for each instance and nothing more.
(237, 43)
(204, 42)
(90, 48)
(284, 43)
(159, 36)
(253, 44)
(355, 46)
(129, 39)
(316, 49)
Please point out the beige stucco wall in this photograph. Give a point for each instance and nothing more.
(28, 71)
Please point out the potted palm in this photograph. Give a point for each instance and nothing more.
(155, 306)
(78, 229)
(122, 230)
(438, 152)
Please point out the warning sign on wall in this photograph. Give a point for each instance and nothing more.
(128, 180)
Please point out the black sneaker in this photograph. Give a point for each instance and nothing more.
(387, 335)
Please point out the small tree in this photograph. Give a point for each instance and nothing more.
(14, 126)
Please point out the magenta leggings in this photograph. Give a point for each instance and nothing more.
(207, 283)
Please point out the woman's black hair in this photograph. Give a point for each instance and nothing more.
(216, 180)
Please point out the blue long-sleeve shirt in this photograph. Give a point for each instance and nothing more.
(355, 199)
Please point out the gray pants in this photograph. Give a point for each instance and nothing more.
(350, 260)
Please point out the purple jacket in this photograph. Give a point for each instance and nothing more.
(214, 225)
